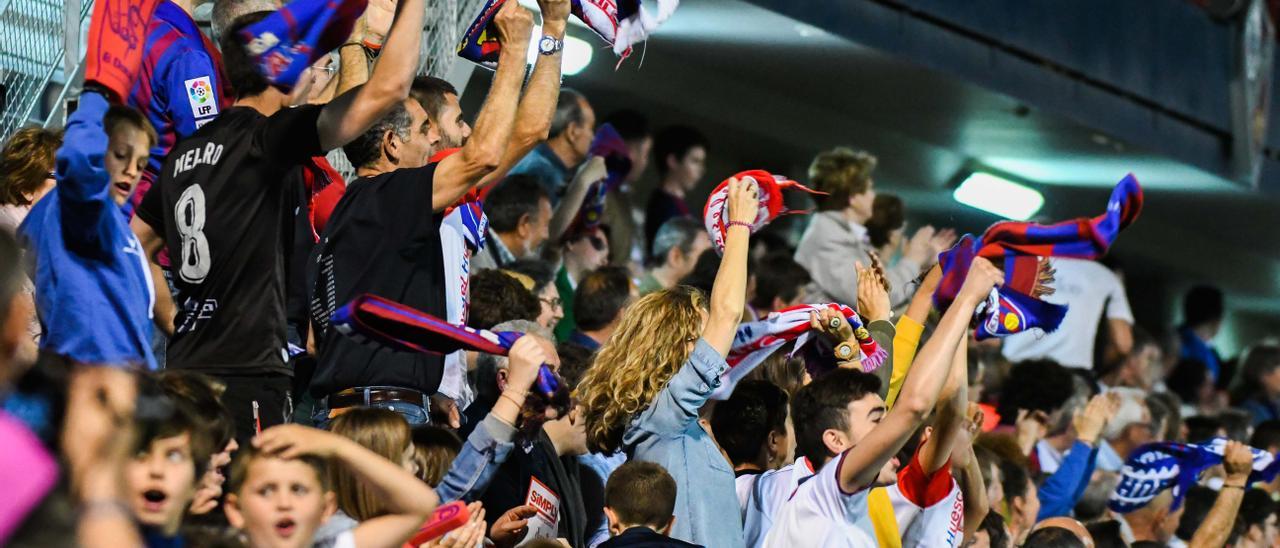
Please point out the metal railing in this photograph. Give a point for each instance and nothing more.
(33, 40)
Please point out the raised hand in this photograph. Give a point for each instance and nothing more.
(467, 536)
(744, 203)
(1092, 420)
(593, 170)
(291, 441)
(1029, 428)
(873, 293)
(515, 25)
(376, 21)
(942, 240)
(512, 526)
(981, 278)
(554, 10)
(1237, 460)
(832, 324)
(524, 359)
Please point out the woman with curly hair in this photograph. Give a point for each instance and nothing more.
(26, 175)
(643, 393)
(26, 172)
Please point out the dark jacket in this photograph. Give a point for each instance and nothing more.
(510, 486)
(644, 537)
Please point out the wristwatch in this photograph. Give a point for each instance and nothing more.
(550, 45)
(844, 351)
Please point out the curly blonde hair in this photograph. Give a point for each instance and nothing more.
(649, 346)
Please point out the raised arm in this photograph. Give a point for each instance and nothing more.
(1060, 492)
(488, 445)
(1216, 528)
(729, 290)
(910, 327)
(483, 150)
(83, 182)
(592, 171)
(538, 106)
(968, 474)
(951, 410)
(920, 391)
(409, 501)
(873, 305)
(352, 113)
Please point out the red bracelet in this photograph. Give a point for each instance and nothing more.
(738, 223)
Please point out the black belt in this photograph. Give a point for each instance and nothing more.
(371, 395)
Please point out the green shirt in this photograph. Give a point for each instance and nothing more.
(566, 326)
(649, 284)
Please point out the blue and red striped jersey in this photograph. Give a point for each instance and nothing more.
(181, 86)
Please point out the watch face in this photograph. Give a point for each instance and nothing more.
(547, 44)
(844, 351)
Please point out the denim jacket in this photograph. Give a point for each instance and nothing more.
(668, 433)
(484, 452)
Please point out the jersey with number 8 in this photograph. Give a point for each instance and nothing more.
(188, 215)
(223, 204)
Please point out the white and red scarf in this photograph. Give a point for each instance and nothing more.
(715, 214)
(756, 341)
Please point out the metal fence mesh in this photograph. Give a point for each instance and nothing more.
(31, 52)
(446, 20)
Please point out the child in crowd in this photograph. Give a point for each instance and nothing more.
(202, 395)
(639, 500)
(279, 493)
(434, 449)
(168, 469)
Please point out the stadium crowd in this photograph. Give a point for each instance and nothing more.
(209, 338)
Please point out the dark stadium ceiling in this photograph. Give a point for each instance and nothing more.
(771, 92)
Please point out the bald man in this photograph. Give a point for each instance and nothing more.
(1154, 522)
(1075, 527)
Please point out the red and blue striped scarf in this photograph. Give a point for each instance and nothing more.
(369, 318)
(1018, 248)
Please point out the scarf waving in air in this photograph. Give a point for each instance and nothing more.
(292, 38)
(1157, 466)
(621, 23)
(756, 341)
(369, 318)
(715, 214)
(1019, 249)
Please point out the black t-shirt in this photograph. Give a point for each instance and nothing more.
(223, 208)
(383, 238)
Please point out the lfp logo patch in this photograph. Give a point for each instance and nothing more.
(200, 96)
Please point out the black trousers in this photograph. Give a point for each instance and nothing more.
(272, 392)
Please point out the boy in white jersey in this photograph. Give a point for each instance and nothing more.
(830, 508)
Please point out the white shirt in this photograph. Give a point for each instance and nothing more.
(766, 493)
(929, 508)
(1086, 287)
(821, 515)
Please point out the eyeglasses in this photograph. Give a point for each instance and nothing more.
(552, 302)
